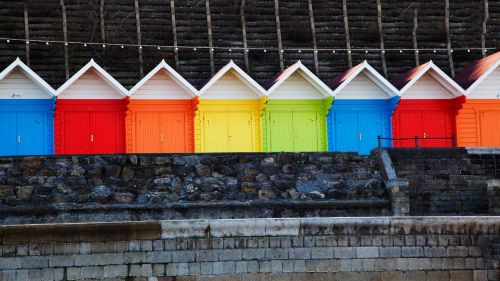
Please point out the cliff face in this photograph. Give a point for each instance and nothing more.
(288, 25)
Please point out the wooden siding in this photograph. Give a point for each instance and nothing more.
(489, 88)
(17, 83)
(161, 86)
(470, 129)
(90, 86)
(427, 88)
(296, 88)
(362, 88)
(229, 87)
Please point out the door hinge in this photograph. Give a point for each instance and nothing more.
(18, 138)
(91, 138)
(360, 136)
(425, 135)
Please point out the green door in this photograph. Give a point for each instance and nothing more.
(281, 131)
(305, 132)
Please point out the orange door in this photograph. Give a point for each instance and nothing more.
(490, 132)
(173, 128)
(147, 134)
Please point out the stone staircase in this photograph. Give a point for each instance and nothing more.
(445, 181)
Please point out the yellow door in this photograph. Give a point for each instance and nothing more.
(228, 132)
(240, 128)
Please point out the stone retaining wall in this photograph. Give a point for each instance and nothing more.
(361, 249)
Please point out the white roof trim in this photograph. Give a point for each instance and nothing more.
(373, 75)
(172, 73)
(480, 79)
(101, 72)
(441, 77)
(245, 78)
(30, 73)
(307, 75)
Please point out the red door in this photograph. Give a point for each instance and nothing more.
(435, 125)
(409, 125)
(104, 132)
(76, 132)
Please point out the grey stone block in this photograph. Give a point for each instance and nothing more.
(206, 268)
(134, 257)
(412, 251)
(357, 265)
(113, 271)
(35, 262)
(182, 269)
(158, 245)
(73, 273)
(207, 255)
(287, 266)
(218, 268)
(392, 276)
(241, 267)
(367, 252)
(322, 253)
(345, 253)
(48, 274)
(23, 274)
(10, 263)
(229, 267)
(230, 255)
(264, 266)
(158, 270)
(276, 266)
(159, 257)
(99, 259)
(146, 270)
(254, 254)
(415, 276)
(461, 275)
(277, 254)
(300, 253)
(458, 251)
(390, 252)
(61, 261)
(92, 272)
(183, 256)
(34, 274)
(10, 275)
(253, 266)
(195, 268)
(435, 252)
(299, 266)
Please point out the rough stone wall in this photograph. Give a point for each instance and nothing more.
(361, 249)
(145, 187)
(444, 181)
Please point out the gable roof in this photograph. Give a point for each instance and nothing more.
(472, 75)
(171, 73)
(245, 78)
(404, 81)
(30, 73)
(101, 72)
(305, 73)
(339, 82)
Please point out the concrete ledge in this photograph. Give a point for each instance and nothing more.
(82, 232)
(483, 150)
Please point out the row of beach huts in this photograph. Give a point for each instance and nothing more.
(92, 113)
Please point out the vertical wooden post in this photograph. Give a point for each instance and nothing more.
(27, 33)
(381, 37)
(278, 33)
(101, 16)
(174, 33)
(414, 36)
(346, 31)
(65, 37)
(244, 32)
(313, 31)
(448, 39)
(139, 37)
(485, 22)
(210, 41)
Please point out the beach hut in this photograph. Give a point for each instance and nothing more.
(26, 112)
(294, 118)
(427, 109)
(362, 111)
(90, 113)
(160, 113)
(478, 120)
(228, 116)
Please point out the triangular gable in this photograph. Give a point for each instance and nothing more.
(431, 75)
(163, 82)
(362, 82)
(19, 81)
(231, 82)
(78, 88)
(313, 88)
(477, 76)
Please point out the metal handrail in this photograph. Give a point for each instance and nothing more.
(416, 139)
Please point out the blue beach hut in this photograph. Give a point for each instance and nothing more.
(361, 111)
(26, 112)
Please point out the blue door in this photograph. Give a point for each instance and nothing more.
(31, 137)
(8, 133)
(370, 126)
(26, 127)
(346, 134)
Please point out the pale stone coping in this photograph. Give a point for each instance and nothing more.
(483, 150)
(297, 226)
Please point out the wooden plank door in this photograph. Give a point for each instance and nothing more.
(436, 126)
(105, 133)
(215, 132)
(370, 124)
(345, 126)
(281, 133)
(305, 131)
(147, 132)
(490, 128)
(240, 137)
(410, 124)
(8, 133)
(32, 133)
(173, 135)
(76, 138)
